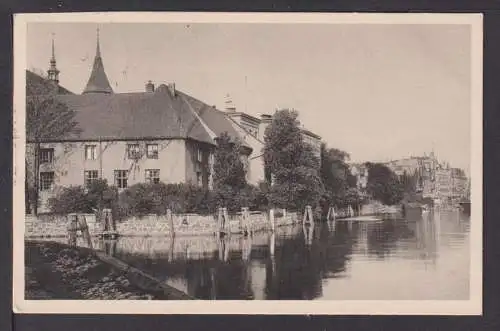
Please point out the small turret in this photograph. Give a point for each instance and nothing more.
(53, 72)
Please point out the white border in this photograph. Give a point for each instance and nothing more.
(339, 307)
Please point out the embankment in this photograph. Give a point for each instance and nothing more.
(57, 271)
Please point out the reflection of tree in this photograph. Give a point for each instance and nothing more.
(295, 272)
(300, 268)
(383, 237)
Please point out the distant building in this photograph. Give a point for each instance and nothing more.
(436, 180)
(360, 172)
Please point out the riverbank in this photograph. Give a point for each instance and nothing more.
(57, 271)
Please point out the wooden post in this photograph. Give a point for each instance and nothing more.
(170, 219)
(72, 228)
(249, 223)
(308, 216)
(244, 224)
(226, 224)
(271, 219)
(84, 229)
(219, 223)
(272, 244)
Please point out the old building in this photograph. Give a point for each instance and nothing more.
(158, 134)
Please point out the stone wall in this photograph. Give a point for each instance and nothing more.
(376, 207)
(55, 226)
(153, 225)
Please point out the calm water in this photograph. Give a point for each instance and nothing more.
(420, 257)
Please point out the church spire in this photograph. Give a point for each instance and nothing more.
(53, 72)
(98, 81)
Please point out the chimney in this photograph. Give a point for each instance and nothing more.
(265, 120)
(228, 104)
(150, 87)
(171, 88)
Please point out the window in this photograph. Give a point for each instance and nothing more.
(133, 151)
(121, 178)
(90, 152)
(152, 151)
(153, 176)
(46, 180)
(199, 155)
(90, 176)
(46, 155)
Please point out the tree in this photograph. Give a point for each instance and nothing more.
(383, 184)
(47, 119)
(291, 166)
(229, 178)
(409, 184)
(339, 183)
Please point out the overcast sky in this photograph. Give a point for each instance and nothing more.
(378, 92)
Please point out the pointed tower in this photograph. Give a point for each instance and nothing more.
(53, 73)
(98, 81)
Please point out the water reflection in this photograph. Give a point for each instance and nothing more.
(425, 256)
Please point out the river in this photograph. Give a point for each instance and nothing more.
(421, 257)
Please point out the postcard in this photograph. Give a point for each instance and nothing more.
(248, 163)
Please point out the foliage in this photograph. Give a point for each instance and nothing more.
(71, 199)
(229, 180)
(339, 183)
(46, 119)
(142, 199)
(79, 199)
(291, 164)
(383, 184)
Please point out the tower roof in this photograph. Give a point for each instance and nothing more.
(98, 81)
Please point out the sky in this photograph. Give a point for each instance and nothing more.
(379, 92)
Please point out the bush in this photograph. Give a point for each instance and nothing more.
(71, 199)
(143, 199)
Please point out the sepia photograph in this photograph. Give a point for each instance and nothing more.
(248, 163)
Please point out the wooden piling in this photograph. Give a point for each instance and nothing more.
(244, 221)
(84, 228)
(331, 214)
(226, 224)
(170, 218)
(271, 219)
(308, 216)
(72, 229)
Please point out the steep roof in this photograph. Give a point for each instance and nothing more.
(36, 83)
(134, 116)
(215, 119)
(98, 81)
